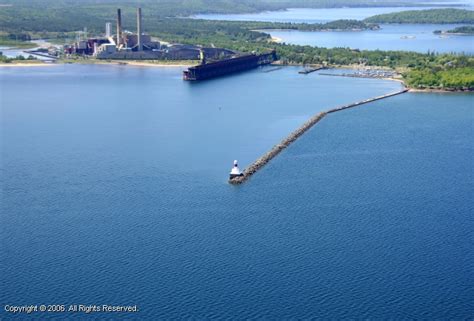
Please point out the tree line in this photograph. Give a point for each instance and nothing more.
(439, 16)
(450, 69)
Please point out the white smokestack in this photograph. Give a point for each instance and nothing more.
(108, 30)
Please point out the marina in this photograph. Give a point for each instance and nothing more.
(366, 73)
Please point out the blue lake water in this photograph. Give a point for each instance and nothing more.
(408, 37)
(114, 192)
(419, 38)
(320, 15)
(13, 52)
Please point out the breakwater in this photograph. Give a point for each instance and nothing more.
(310, 70)
(277, 149)
(41, 54)
(272, 69)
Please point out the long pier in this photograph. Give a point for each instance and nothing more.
(362, 75)
(37, 53)
(277, 149)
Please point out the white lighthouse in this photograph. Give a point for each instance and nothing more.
(235, 172)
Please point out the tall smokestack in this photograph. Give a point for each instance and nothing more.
(139, 29)
(119, 27)
(108, 30)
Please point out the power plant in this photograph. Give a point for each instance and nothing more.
(127, 41)
(126, 45)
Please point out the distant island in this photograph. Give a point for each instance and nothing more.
(438, 16)
(336, 25)
(464, 30)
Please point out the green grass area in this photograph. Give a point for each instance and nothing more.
(17, 60)
(17, 44)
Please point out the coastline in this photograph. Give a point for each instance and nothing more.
(134, 63)
(23, 64)
(434, 90)
(185, 64)
(400, 80)
(276, 39)
(153, 64)
(141, 63)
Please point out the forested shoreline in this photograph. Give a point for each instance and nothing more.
(437, 16)
(430, 70)
(463, 30)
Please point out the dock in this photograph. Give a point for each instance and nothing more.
(378, 74)
(41, 54)
(277, 149)
(228, 66)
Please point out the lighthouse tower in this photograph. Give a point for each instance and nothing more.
(235, 172)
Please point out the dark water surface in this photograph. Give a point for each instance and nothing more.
(114, 192)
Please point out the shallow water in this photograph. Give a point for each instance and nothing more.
(114, 192)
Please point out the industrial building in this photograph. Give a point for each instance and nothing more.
(140, 46)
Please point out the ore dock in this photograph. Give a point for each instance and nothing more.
(208, 70)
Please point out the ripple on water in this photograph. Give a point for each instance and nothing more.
(366, 216)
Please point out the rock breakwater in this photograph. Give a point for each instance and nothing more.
(277, 149)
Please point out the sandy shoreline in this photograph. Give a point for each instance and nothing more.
(144, 63)
(149, 64)
(276, 39)
(186, 65)
(28, 65)
(112, 63)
